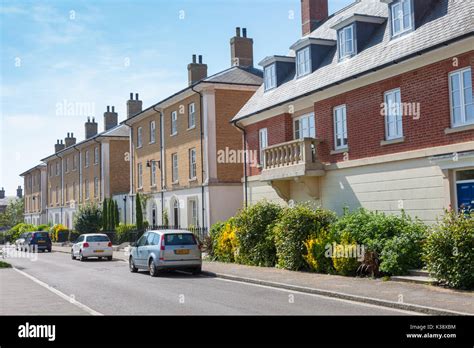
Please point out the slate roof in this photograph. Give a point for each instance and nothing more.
(447, 21)
(235, 75)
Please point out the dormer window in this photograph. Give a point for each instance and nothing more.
(346, 43)
(401, 17)
(303, 62)
(270, 77)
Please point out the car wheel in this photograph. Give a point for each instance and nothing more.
(72, 255)
(197, 270)
(49, 250)
(81, 257)
(131, 265)
(152, 268)
(109, 258)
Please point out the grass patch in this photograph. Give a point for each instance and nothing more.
(4, 264)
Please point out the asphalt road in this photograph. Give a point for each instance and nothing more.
(108, 287)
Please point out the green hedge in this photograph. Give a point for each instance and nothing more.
(295, 226)
(254, 232)
(449, 251)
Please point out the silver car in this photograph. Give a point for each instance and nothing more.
(166, 249)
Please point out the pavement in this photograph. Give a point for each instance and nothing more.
(422, 298)
(100, 287)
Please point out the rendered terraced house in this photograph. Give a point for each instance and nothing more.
(88, 171)
(175, 144)
(372, 108)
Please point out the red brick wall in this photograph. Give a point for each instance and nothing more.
(279, 130)
(428, 86)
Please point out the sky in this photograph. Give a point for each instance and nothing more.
(64, 60)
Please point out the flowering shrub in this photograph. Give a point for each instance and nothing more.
(227, 244)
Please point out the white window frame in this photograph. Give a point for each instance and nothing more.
(342, 40)
(86, 188)
(152, 132)
(153, 174)
(86, 160)
(396, 118)
(262, 144)
(303, 61)
(336, 121)
(57, 168)
(96, 155)
(399, 14)
(191, 116)
(174, 123)
(297, 126)
(74, 163)
(66, 166)
(462, 97)
(270, 77)
(139, 137)
(96, 187)
(174, 167)
(192, 163)
(194, 212)
(140, 175)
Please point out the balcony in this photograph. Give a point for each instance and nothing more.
(293, 161)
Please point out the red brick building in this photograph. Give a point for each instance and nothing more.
(373, 107)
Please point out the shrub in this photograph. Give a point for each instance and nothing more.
(294, 228)
(88, 219)
(214, 234)
(315, 256)
(449, 250)
(255, 233)
(227, 244)
(43, 227)
(59, 233)
(15, 232)
(404, 251)
(395, 239)
(125, 233)
(345, 255)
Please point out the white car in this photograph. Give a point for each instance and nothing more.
(92, 245)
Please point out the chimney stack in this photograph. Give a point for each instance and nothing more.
(69, 140)
(196, 70)
(2, 193)
(19, 192)
(241, 49)
(58, 146)
(313, 13)
(91, 127)
(110, 118)
(134, 106)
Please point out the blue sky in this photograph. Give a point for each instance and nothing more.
(95, 53)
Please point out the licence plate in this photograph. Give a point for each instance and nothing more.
(41, 241)
(98, 251)
(182, 251)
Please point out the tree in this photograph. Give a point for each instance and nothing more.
(105, 221)
(139, 212)
(13, 214)
(88, 219)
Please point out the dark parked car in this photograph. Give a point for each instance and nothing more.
(39, 239)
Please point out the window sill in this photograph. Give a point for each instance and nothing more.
(174, 134)
(139, 147)
(152, 142)
(193, 179)
(175, 183)
(457, 129)
(392, 141)
(338, 151)
(191, 128)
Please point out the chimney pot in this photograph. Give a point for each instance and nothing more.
(113, 108)
(200, 59)
(108, 108)
(110, 118)
(91, 128)
(244, 32)
(241, 50)
(237, 31)
(194, 58)
(196, 71)
(136, 96)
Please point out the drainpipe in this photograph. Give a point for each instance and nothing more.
(80, 172)
(162, 163)
(62, 189)
(244, 133)
(202, 157)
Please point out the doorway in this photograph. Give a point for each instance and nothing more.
(465, 190)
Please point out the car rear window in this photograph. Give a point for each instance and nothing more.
(179, 239)
(98, 239)
(41, 235)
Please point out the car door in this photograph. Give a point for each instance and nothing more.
(77, 245)
(148, 247)
(140, 252)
